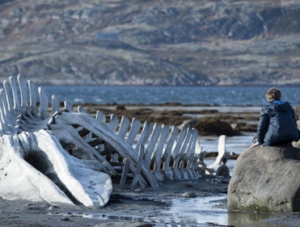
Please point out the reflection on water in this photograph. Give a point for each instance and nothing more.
(250, 220)
(202, 211)
(198, 210)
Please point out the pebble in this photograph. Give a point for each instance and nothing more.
(189, 195)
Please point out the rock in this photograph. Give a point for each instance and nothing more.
(120, 107)
(189, 195)
(187, 123)
(297, 112)
(297, 143)
(266, 179)
(211, 126)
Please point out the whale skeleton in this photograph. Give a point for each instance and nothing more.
(55, 154)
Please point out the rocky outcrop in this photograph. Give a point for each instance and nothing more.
(213, 126)
(266, 179)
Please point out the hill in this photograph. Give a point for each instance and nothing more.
(151, 42)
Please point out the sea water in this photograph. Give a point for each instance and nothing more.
(223, 96)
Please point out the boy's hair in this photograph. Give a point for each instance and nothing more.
(273, 94)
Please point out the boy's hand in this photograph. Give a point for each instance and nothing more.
(254, 145)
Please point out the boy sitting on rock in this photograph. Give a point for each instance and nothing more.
(277, 123)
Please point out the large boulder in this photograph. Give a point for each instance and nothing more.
(297, 111)
(297, 143)
(266, 179)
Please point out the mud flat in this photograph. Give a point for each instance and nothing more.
(241, 118)
(186, 203)
(144, 207)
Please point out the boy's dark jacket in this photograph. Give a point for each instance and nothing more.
(277, 124)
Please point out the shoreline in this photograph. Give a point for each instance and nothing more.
(239, 118)
(222, 109)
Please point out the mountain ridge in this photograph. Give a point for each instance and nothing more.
(151, 43)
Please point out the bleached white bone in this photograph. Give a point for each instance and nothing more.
(13, 83)
(218, 166)
(198, 160)
(96, 145)
(43, 103)
(91, 190)
(55, 104)
(26, 185)
(4, 119)
(179, 162)
(169, 174)
(80, 109)
(68, 134)
(103, 131)
(146, 132)
(190, 155)
(89, 187)
(113, 122)
(152, 143)
(157, 154)
(134, 129)
(32, 103)
(175, 153)
(8, 102)
(147, 129)
(185, 154)
(23, 93)
(137, 176)
(124, 126)
(221, 152)
(100, 116)
(68, 105)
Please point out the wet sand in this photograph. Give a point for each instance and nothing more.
(147, 206)
(140, 208)
(125, 208)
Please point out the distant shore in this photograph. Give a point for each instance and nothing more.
(240, 118)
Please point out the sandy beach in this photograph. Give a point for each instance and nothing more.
(200, 202)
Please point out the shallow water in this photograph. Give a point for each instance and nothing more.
(210, 211)
(201, 211)
(235, 144)
(198, 211)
